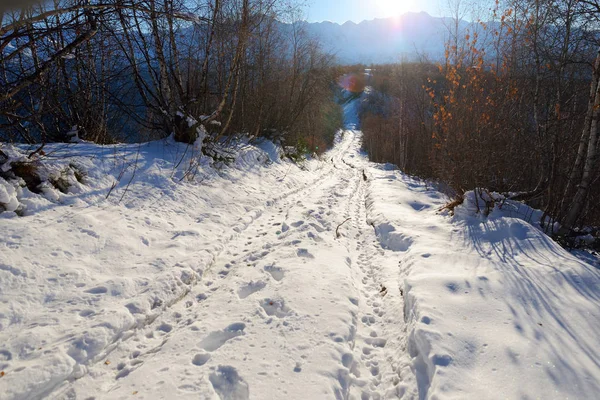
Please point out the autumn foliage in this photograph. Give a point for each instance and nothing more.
(504, 110)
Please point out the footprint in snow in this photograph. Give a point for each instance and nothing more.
(86, 313)
(275, 307)
(216, 339)
(453, 287)
(442, 360)
(276, 272)
(200, 359)
(166, 328)
(5, 355)
(250, 288)
(228, 384)
(314, 237)
(304, 253)
(184, 234)
(89, 232)
(348, 360)
(418, 206)
(201, 297)
(317, 227)
(97, 290)
(298, 367)
(257, 256)
(376, 342)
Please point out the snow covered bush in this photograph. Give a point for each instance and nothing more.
(8, 196)
(26, 181)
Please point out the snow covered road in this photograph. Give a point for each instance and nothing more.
(287, 310)
(336, 280)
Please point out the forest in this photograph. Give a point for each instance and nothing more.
(512, 108)
(128, 71)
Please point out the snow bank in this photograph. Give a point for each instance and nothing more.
(483, 205)
(494, 308)
(8, 196)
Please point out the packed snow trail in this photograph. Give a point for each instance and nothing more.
(338, 280)
(286, 310)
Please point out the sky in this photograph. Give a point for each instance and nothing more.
(341, 11)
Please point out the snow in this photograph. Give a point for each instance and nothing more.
(195, 279)
(494, 308)
(74, 135)
(8, 196)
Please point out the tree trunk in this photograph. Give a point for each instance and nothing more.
(593, 114)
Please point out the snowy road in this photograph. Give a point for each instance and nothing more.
(288, 310)
(338, 280)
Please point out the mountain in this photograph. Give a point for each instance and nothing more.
(384, 40)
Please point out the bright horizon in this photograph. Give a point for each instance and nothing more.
(341, 11)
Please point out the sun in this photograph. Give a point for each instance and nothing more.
(393, 8)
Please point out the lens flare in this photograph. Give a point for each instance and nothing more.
(354, 83)
(393, 8)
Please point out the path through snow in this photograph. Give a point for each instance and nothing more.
(286, 310)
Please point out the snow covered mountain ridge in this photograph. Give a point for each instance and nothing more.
(385, 40)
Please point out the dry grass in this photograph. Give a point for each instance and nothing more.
(29, 172)
(79, 173)
(453, 204)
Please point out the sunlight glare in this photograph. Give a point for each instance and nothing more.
(394, 8)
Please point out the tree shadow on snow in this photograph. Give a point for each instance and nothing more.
(554, 298)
